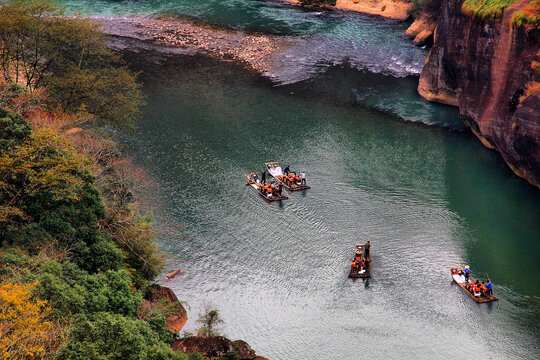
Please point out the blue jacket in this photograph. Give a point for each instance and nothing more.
(467, 271)
(488, 285)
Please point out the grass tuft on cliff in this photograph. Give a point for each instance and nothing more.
(529, 15)
(485, 9)
(493, 9)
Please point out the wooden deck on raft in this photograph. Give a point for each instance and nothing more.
(293, 187)
(252, 181)
(479, 299)
(356, 271)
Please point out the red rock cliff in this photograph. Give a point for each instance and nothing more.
(484, 67)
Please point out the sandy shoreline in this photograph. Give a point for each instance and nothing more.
(391, 9)
(257, 51)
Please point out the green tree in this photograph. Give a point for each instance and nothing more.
(39, 47)
(103, 336)
(46, 193)
(72, 290)
(209, 320)
(13, 130)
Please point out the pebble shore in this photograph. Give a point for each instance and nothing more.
(257, 51)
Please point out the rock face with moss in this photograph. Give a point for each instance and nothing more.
(485, 62)
(216, 347)
(177, 316)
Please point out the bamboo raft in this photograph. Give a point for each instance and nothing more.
(254, 182)
(275, 170)
(460, 280)
(357, 271)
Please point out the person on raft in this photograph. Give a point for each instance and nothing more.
(263, 177)
(489, 288)
(286, 170)
(303, 177)
(368, 246)
(467, 272)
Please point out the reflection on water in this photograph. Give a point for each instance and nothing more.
(424, 196)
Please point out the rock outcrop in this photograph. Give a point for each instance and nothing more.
(423, 27)
(175, 321)
(215, 347)
(392, 9)
(484, 67)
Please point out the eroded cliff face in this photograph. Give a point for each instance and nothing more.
(423, 27)
(484, 67)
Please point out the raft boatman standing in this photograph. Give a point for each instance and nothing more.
(263, 177)
(286, 170)
(303, 177)
(489, 287)
(467, 272)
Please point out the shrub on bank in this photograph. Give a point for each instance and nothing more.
(112, 336)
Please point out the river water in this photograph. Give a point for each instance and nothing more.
(384, 166)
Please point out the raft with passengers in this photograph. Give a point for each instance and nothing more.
(481, 292)
(292, 181)
(271, 192)
(361, 264)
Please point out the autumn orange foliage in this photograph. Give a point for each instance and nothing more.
(25, 331)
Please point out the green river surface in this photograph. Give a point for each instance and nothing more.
(384, 166)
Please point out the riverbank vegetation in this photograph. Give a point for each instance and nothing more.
(77, 252)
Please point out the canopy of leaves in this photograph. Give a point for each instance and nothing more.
(47, 192)
(104, 336)
(39, 47)
(72, 291)
(25, 331)
(13, 130)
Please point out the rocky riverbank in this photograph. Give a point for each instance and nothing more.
(212, 347)
(486, 67)
(256, 51)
